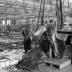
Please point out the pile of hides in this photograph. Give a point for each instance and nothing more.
(31, 60)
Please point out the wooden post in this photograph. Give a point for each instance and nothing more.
(41, 13)
(59, 14)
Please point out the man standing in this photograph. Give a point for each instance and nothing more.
(27, 40)
(48, 40)
(8, 28)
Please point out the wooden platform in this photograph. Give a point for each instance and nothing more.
(59, 63)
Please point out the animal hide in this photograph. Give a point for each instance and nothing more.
(30, 60)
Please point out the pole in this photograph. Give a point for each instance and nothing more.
(61, 12)
(41, 13)
(42, 19)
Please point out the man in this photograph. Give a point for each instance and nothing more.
(27, 40)
(8, 28)
(51, 36)
(48, 42)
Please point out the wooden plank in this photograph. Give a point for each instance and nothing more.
(60, 63)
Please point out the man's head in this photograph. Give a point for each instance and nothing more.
(46, 23)
(51, 21)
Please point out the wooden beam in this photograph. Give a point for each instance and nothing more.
(58, 63)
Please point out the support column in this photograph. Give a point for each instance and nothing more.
(59, 14)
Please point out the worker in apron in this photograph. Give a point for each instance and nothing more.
(48, 41)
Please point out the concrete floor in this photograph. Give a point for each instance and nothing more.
(13, 56)
(44, 68)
